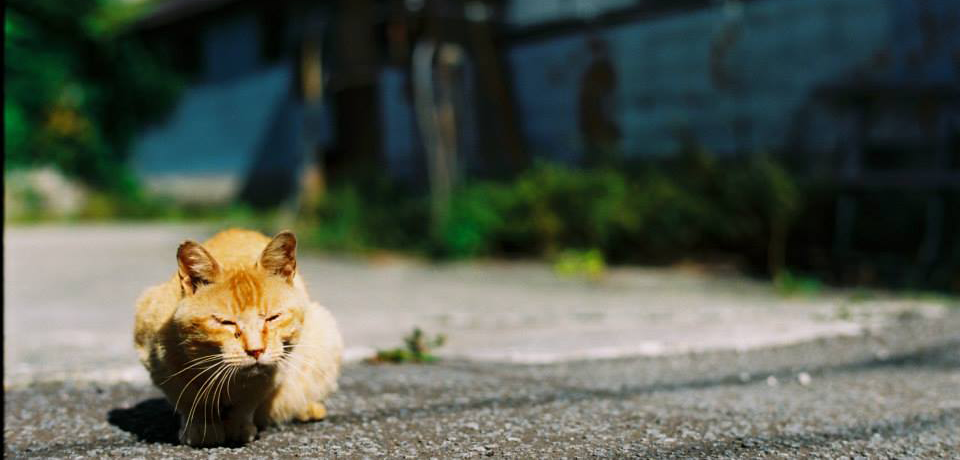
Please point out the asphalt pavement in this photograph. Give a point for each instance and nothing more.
(895, 394)
(646, 364)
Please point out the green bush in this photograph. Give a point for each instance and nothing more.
(663, 219)
(561, 208)
(653, 213)
(788, 283)
(359, 219)
(649, 213)
(338, 222)
(547, 209)
(475, 213)
(77, 89)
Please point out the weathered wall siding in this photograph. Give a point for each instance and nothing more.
(231, 47)
(401, 145)
(664, 76)
(734, 76)
(216, 127)
(927, 49)
(546, 77)
(273, 174)
(526, 12)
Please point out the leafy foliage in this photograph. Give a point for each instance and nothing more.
(358, 219)
(581, 218)
(651, 213)
(788, 284)
(77, 90)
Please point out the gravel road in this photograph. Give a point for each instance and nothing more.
(890, 394)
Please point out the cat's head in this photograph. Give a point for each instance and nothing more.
(247, 315)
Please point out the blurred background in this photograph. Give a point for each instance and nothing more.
(802, 141)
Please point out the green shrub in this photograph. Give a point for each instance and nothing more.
(560, 207)
(377, 215)
(545, 210)
(476, 214)
(761, 201)
(338, 222)
(77, 90)
(788, 283)
(663, 219)
(650, 213)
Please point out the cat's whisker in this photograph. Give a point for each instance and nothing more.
(205, 360)
(211, 355)
(307, 349)
(197, 397)
(304, 345)
(303, 396)
(303, 361)
(288, 367)
(233, 373)
(288, 360)
(218, 391)
(292, 366)
(212, 393)
(307, 379)
(223, 380)
(304, 373)
(177, 404)
(206, 397)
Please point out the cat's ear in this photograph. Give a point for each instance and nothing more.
(280, 256)
(197, 266)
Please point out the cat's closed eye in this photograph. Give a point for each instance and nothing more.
(273, 317)
(225, 322)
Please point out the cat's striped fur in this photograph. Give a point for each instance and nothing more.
(234, 341)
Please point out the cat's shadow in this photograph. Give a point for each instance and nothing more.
(152, 420)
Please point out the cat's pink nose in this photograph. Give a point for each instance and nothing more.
(255, 353)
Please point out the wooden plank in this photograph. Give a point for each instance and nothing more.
(907, 181)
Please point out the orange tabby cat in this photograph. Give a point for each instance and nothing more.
(234, 341)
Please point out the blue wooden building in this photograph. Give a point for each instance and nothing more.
(278, 87)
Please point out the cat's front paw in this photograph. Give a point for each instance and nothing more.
(312, 412)
(202, 434)
(241, 433)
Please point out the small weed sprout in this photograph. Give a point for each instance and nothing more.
(588, 265)
(416, 349)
